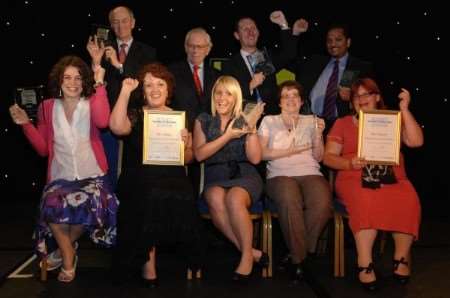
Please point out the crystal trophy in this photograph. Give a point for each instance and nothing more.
(348, 78)
(29, 98)
(102, 33)
(248, 118)
(261, 62)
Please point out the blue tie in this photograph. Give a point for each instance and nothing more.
(252, 65)
(329, 103)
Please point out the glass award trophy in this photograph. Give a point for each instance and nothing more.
(261, 62)
(348, 78)
(249, 116)
(29, 98)
(102, 33)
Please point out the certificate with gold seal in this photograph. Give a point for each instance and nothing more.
(379, 136)
(162, 138)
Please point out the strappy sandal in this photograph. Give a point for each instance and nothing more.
(67, 275)
(401, 279)
(368, 286)
(54, 259)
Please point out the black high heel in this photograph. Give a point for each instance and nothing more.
(368, 286)
(150, 283)
(241, 279)
(401, 279)
(264, 261)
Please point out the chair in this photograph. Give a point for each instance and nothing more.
(272, 212)
(256, 211)
(339, 214)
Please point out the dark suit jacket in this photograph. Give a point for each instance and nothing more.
(308, 72)
(185, 97)
(237, 68)
(138, 55)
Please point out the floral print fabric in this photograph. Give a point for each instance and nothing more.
(88, 202)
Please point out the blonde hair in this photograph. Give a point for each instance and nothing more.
(232, 86)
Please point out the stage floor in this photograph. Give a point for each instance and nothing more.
(430, 279)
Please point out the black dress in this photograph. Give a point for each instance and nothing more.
(229, 167)
(157, 206)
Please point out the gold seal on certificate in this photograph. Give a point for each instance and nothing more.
(379, 136)
(162, 137)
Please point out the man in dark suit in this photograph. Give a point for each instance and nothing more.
(122, 58)
(191, 96)
(314, 74)
(261, 85)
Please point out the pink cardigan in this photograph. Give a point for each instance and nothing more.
(41, 138)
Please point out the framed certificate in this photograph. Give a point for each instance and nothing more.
(162, 140)
(379, 136)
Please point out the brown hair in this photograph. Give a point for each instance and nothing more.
(56, 76)
(159, 71)
(291, 85)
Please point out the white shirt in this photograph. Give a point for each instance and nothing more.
(74, 158)
(280, 137)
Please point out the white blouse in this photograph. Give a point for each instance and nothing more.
(280, 137)
(74, 158)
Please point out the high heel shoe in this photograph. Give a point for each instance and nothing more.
(264, 261)
(401, 279)
(241, 279)
(150, 283)
(368, 286)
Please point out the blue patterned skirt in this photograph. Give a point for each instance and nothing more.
(89, 202)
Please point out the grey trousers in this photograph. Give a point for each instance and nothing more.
(304, 207)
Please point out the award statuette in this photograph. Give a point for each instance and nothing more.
(162, 139)
(261, 62)
(249, 116)
(304, 131)
(29, 98)
(379, 137)
(102, 33)
(348, 77)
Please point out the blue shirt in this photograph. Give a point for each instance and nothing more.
(317, 94)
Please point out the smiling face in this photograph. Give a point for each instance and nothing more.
(155, 91)
(365, 100)
(224, 100)
(337, 43)
(197, 47)
(290, 101)
(72, 83)
(247, 33)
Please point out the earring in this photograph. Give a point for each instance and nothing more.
(60, 93)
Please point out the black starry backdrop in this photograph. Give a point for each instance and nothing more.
(407, 45)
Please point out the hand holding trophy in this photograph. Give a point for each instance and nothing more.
(249, 117)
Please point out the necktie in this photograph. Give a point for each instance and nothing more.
(122, 52)
(252, 63)
(329, 103)
(198, 84)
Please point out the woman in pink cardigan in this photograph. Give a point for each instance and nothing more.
(77, 196)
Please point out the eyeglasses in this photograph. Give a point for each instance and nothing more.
(364, 95)
(197, 46)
